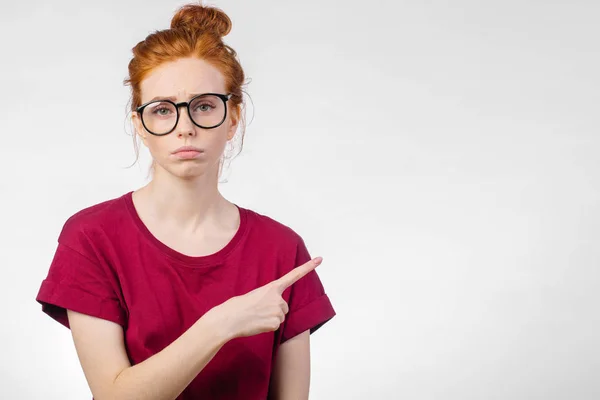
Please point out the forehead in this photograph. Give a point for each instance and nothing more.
(180, 77)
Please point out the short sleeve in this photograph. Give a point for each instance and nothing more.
(78, 281)
(309, 305)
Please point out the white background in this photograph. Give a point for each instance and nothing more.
(442, 157)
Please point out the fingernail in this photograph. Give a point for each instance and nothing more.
(318, 260)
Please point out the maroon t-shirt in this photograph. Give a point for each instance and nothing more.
(109, 265)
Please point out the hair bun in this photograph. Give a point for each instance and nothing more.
(196, 17)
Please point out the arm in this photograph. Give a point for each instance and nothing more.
(101, 350)
(291, 373)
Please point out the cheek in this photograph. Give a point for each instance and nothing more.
(216, 140)
(158, 145)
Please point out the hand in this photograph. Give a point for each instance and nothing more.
(260, 310)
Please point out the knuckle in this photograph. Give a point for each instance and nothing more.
(284, 306)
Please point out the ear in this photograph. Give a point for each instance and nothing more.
(234, 124)
(139, 127)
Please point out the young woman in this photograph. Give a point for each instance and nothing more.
(171, 291)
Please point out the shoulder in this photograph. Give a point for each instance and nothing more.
(92, 221)
(275, 238)
(274, 230)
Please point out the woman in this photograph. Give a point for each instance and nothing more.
(171, 291)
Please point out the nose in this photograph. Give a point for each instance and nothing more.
(185, 126)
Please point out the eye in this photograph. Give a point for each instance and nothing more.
(160, 111)
(204, 107)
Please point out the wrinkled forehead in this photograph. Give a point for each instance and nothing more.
(180, 78)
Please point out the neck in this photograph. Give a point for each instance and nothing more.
(187, 204)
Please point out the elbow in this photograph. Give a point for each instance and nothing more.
(112, 390)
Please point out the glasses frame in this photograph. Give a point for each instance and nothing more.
(223, 97)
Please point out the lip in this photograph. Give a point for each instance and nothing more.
(188, 153)
(188, 149)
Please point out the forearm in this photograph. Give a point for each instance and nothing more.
(167, 373)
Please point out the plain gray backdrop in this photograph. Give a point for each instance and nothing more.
(442, 157)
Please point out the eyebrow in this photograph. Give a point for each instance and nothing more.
(173, 98)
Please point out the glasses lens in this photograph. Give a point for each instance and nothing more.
(159, 117)
(207, 110)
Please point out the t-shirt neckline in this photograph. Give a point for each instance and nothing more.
(208, 260)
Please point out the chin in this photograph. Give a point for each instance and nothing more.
(188, 170)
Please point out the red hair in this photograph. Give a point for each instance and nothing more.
(196, 31)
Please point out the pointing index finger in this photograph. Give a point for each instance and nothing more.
(294, 275)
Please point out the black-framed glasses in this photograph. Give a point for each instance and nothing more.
(206, 110)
